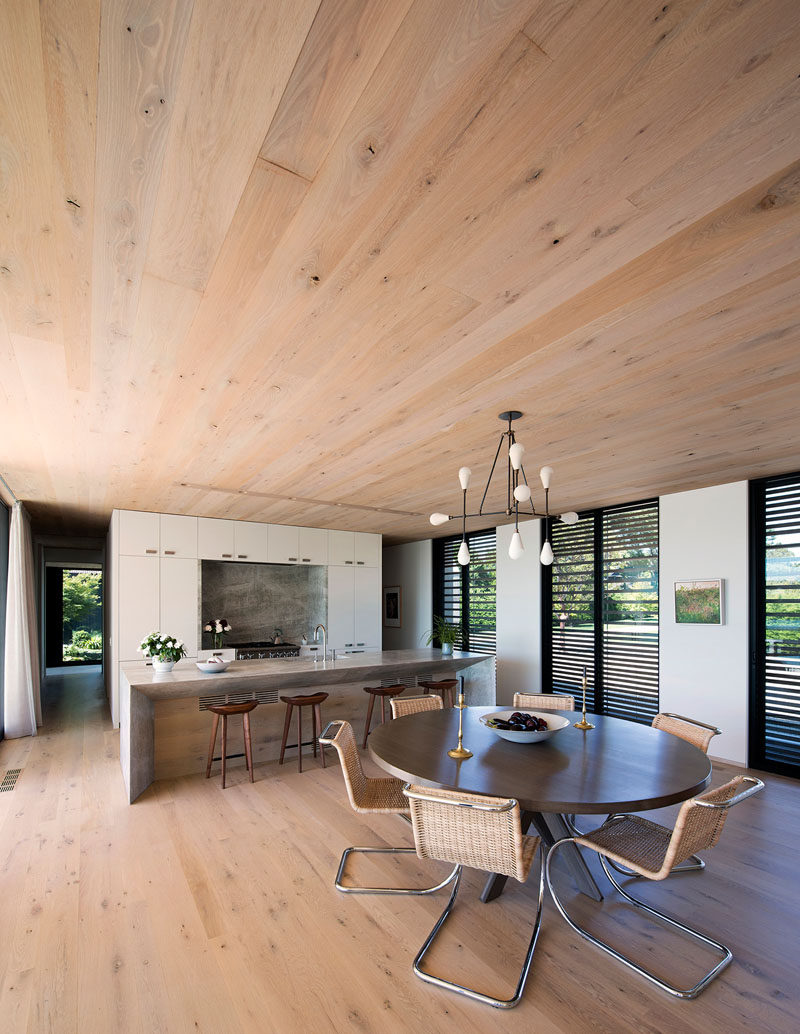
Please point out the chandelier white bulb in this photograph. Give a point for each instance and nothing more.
(439, 518)
(463, 554)
(545, 474)
(464, 475)
(546, 556)
(570, 517)
(522, 493)
(516, 548)
(515, 455)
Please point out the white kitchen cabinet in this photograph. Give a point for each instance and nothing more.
(341, 608)
(250, 541)
(312, 545)
(178, 598)
(215, 538)
(283, 544)
(138, 533)
(367, 608)
(354, 621)
(138, 603)
(341, 548)
(367, 549)
(178, 536)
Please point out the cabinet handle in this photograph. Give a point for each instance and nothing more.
(151, 551)
(241, 556)
(361, 644)
(348, 644)
(348, 561)
(360, 563)
(169, 552)
(293, 559)
(306, 559)
(227, 556)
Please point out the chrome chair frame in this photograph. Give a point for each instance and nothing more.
(727, 954)
(324, 738)
(451, 985)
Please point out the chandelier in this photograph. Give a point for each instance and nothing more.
(518, 491)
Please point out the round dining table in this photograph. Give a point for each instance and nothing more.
(618, 766)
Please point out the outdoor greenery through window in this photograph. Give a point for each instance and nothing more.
(82, 617)
(466, 596)
(600, 611)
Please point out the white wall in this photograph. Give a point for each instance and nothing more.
(410, 567)
(519, 623)
(704, 669)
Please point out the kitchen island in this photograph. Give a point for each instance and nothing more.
(164, 726)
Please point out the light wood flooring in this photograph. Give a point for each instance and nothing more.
(204, 910)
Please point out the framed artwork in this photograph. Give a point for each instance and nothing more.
(392, 606)
(699, 602)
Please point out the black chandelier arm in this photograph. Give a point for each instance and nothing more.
(480, 512)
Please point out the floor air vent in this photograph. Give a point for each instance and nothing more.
(10, 779)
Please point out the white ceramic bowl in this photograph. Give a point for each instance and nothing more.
(212, 667)
(555, 723)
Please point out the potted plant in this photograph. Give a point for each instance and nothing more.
(443, 632)
(164, 649)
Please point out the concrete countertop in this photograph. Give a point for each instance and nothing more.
(186, 679)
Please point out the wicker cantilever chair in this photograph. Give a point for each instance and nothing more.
(370, 796)
(545, 701)
(652, 851)
(699, 735)
(401, 706)
(483, 833)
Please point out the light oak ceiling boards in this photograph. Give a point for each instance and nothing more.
(287, 261)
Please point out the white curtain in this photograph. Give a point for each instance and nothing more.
(22, 707)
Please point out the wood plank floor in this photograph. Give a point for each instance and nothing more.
(208, 911)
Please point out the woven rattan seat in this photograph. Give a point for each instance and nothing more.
(402, 706)
(545, 701)
(652, 851)
(370, 796)
(483, 833)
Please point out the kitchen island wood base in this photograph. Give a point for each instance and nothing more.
(164, 727)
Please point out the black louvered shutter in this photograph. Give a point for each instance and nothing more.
(600, 611)
(468, 594)
(776, 613)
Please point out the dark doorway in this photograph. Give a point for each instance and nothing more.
(73, 616)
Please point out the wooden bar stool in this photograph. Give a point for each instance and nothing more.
(383, 692)
(446, 688)
(312, 700)
(224, 711)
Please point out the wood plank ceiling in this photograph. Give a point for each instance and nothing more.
(287, 261)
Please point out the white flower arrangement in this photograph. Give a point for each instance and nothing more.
(163, 647)
(217, 626)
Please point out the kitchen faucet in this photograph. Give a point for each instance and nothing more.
(324, 640)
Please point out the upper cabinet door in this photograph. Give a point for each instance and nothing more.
(178, 536)
(341, 548)
(138, 533)
(313, 545)
(215, 538)
(138, 603)
(250, 541)
(367, 549)
(178, 597)
(283, 546)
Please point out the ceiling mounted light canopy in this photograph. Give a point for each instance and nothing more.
(518, 492)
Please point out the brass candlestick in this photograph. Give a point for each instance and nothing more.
(583, 724)
(460, 752)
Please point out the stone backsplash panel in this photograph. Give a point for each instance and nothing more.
(257, 598)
